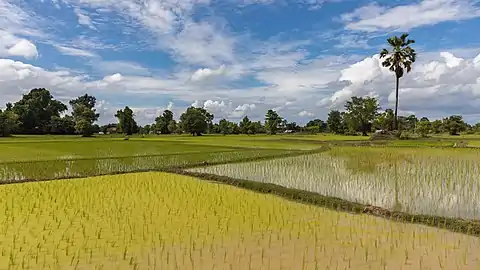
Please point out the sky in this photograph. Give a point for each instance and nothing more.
(241, 57)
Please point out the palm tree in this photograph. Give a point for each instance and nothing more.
(400, 58)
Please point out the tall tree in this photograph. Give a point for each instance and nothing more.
(62, 125)
(84, 114)
(126, 121)
(400, 58)
(245, 125)
(454, 124)
(272, 121)
(334, 122)
(8, 122)
(35, 111)
(195, 120)
(224, 127)
(162, 122)
(361, 112)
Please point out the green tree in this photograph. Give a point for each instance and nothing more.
(172, 126)
(361, 112)
(423, 128)
(62, 125)
(334, 122)
(257, 127)
(437, 126)
(8, 122)
(84, 114)
(195, 120)
(163, 121)
(399, 59)
(411, 123)
(272, 121)
(224, 127)
(316, 123)
(454, 124)
(385, 120)
(126, 121)
(245, 125)
(35, 111)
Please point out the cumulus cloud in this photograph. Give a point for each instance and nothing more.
(113, 78)
(306, 113)
(242, 110)
(443, 85)
(11, 45)
(23, 48)
(207, 73)
(373, 17)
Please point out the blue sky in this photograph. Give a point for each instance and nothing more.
(240, 57)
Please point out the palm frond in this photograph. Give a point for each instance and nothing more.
(384, 53)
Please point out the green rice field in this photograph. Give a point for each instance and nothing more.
(238, 202)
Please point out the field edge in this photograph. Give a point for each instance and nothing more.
(458, 225)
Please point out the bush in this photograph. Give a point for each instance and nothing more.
(405, 135)
(384, 135)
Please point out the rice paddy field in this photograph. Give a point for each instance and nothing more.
(237, 202)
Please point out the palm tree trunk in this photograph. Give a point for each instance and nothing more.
(396, 104)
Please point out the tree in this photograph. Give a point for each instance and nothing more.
(334, 122)
(126, 121)
(272, 121)
(257, 127)
(292, 126)
(400, 58)
(437, 126)
(361, 112)
(195, 120)
(224, 127)
(163, 121)
(62, 125)
(8, 122)
(385, 120)
(172, 126)
(84, 114)
(411, 123)
(316, 123)
(245, 125)
(423, 128)
(35, 111)
(454, 124)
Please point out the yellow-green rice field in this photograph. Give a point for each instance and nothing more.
(165, 221)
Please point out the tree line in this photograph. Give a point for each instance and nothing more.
(37, 112)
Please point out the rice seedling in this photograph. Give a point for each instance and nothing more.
(68, 168)
(440, 182)
(166, 221)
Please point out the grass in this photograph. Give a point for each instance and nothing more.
(146, 221)
(438, 182)
(83, 167)
(42, 148)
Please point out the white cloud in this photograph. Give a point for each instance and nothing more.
(113, 78)
(242, 110)
(202, 44)
(405, 17)
(444, 84)
(23, 48)
(84, 19)
(74, 51)
(124, 67)
(206, 73)
(306, 113)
